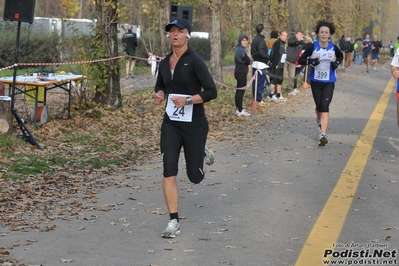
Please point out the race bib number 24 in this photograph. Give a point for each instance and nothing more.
(181, 114)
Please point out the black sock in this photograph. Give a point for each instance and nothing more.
(174, 215)
(278, 95)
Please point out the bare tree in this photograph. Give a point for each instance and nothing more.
(266, 18)
(216, 41)
(164, 14)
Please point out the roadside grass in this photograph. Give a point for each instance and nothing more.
(18, 164)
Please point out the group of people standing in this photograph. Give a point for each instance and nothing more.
(270, 59)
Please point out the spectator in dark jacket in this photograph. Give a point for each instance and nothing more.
(129, 41)
(341, 44)
(348, 49)
(261, 61)
(278, 58)
(241, 61)
(295, 46)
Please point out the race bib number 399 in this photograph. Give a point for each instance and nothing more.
(322, 74)
(181, 114)
(322, 71)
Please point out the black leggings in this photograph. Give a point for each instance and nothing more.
(241, 82)
(191, 136)
(322, 95)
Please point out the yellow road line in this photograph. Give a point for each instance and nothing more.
(328, 226)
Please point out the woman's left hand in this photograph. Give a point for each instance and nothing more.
(179, 101)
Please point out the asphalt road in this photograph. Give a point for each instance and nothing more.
(262, 202)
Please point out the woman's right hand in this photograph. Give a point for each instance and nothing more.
(159, 97)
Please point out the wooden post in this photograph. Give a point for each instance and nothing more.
(255, 104)
(5, 115)
(5, 112)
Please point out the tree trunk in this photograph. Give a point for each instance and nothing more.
(5, 117)
(113, 67)
(216, 42)
(246, 26)
(108, 91)
(164, 14)
(266, 19)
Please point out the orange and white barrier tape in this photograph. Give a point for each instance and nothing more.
(115, 58)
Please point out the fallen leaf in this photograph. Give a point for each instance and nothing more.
(66, 260)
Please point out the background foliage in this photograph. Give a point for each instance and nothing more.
(352, 17)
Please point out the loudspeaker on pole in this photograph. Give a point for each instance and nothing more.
(183, 12)
(19, 10)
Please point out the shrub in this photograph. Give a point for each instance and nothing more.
(35, 48)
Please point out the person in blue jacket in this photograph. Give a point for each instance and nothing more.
(324, 58)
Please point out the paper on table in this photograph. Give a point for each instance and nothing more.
(5, 98)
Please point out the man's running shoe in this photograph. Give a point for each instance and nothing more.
(323, 140)
(172, 229)
(209, 157)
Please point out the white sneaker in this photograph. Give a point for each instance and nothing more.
(209, 156)
(242, 113)
(172, 229)
(282, 99)
(323, 140)
(245, 113)
(292, 93)
(274, 98)
(296, 90)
